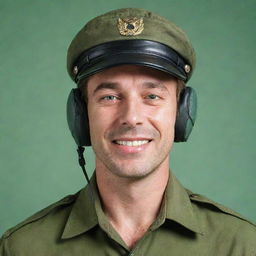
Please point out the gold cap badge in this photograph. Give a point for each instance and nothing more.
(130, 27)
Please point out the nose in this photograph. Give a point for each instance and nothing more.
(131, 113)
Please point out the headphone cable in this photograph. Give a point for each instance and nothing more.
(82, 163)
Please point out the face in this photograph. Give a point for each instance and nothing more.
(132, 112)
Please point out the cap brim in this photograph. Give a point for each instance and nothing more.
(146, 60)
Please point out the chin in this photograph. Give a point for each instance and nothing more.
(133, 166)
(132, 171)
(131, 175)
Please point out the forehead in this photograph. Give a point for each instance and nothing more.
(123, 73)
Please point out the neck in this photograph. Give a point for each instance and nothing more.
(132, 205)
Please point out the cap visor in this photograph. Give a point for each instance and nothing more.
(146, 60)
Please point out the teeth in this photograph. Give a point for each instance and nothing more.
(133, 143)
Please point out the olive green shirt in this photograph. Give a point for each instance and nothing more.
(187, 224)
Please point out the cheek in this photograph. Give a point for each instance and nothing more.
(94, 121)
(99, 121)
(163, 120)
(165, 115)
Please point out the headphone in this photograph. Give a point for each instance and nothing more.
(78, 122)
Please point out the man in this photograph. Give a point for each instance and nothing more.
(131, 67)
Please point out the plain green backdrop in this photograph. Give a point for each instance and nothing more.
(37, 153)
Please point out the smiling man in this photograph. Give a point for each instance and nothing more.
(131, 136)
(132, 139)
(131, 103)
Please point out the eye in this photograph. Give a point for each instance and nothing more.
(152, 97)
(109, 98)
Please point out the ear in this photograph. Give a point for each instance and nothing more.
(186, 114)
(77, 118)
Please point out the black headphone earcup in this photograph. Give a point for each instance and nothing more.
(77, 118)
(186, 114)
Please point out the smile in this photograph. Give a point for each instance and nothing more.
(129, 143)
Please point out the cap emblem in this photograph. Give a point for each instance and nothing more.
(130, 27)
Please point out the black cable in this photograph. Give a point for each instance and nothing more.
(82, 163)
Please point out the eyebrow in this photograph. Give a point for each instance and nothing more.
(152, 85)
(103, 86)
(113, 86)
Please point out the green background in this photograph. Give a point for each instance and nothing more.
(37, 154)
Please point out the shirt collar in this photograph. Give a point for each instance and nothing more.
(179, 207)
(176, 206)
(83, 216)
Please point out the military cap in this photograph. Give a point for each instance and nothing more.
(130, 36)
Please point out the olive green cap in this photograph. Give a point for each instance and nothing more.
(127, 26)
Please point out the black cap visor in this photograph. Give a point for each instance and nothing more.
(130, 52)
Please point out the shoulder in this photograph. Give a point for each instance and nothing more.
(222, 222)
(48, 218)
(209, 204)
